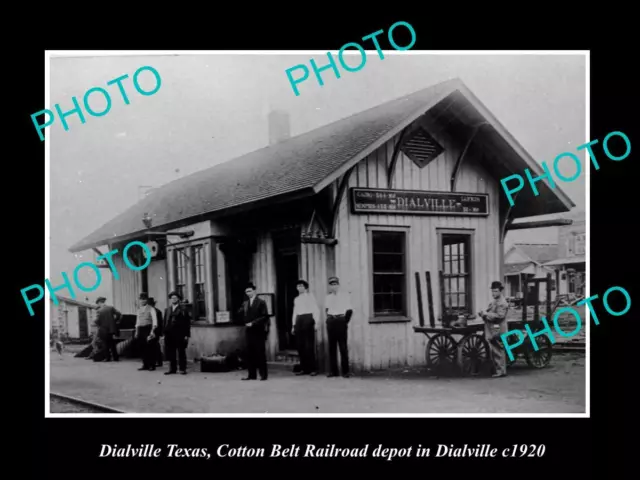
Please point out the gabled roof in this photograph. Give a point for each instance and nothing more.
(305, 164)
(538, 252)
(513, 268)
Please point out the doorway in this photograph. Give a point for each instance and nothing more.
(83, 324)
(286, 249)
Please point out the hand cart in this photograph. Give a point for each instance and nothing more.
(464, 349)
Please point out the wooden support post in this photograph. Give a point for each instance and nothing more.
(432, 317)
(536, 305)
(548, 295)
(525, 294)
(419, 293)
(443, 313)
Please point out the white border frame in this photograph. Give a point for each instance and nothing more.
(47, 98)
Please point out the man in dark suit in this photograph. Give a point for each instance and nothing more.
(157, 332)
(177, 330)
(255, 316)
(107, 322)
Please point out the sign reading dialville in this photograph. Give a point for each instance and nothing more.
(417, 202)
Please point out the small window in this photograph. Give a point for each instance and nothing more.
(199, 293)
(580, 244)
(389, 273)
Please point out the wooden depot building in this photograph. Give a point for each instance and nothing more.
(408, 187)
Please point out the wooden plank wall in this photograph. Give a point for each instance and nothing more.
(264, 277)
(127, 288)
(314, 270)
(377, 346)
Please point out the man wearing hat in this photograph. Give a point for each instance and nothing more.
(255, 315)
(145, 336)
(339, 312)
(107, 321)
(495, 324)
(177, 330)
(306, 316)
(157, 332)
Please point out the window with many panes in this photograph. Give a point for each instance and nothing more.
(455, 256)
(199, 282)
(181, 271)
(389, 270)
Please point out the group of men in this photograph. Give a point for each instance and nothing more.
(175, 327)
(151, 325)
(306, 316)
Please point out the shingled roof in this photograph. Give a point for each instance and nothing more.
(302, 165)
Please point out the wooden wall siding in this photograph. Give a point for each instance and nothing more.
(127, 288)
(314, 270)
(376, 346)
(157, 280)
(264, 277)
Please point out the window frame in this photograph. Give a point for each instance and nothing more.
(471, 277)
(189, 293)
(405, 315)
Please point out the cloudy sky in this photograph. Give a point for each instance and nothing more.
(212, 108)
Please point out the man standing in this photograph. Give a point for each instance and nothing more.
(339, 312)
(157, 332)
(256, 320)
(107, 321)
(306, 314)
(495, 318)
(145, 325)
(177, 330)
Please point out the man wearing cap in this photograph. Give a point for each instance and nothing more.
(495, 324)
(177, 330)
(145, 326)
(339, 312)
(255, 315)
(157, 332)
(107, 321)
(306, 316)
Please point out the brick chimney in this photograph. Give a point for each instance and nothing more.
(278, 126)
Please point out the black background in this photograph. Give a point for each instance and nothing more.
(575, 448)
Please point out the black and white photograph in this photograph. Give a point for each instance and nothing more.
(229, 235)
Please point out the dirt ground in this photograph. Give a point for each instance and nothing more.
(559, 388)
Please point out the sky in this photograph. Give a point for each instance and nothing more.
(213, 108)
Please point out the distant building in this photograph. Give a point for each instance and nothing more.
(570, 265)
(525, 261)
(72, 318)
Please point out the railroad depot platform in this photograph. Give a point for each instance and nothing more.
(559, 388)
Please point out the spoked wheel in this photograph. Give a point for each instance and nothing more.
(539, 358)
(473, 354)
(441, 352)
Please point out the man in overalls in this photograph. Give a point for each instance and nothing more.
(495, 324)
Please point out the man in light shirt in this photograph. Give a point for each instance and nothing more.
(339, 312)
(145, 326)
(306, 314)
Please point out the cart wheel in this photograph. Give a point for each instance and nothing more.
(441, 352)
(473, 354)
(541, 357)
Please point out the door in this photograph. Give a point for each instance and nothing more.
(83, 323)
(287, 274)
